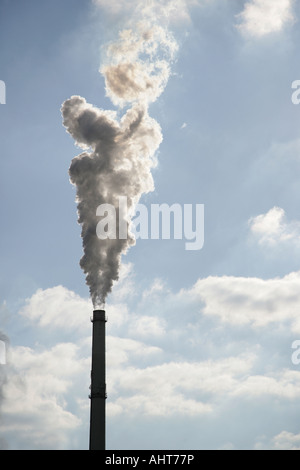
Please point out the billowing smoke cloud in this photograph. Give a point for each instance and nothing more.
(119, 152)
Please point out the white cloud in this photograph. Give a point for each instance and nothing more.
(250, 301)
(286, 441)
(57, 307)
(194, 388)
(283, 441)
(176, 388)
(122, 350)
(157, 405)
(124, 288)
(272, 228)
(262, 17)
(283, 384)
(157, 288)
(35, 411)
(147, 326)
(157, 367)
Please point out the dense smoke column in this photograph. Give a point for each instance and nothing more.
(119, 164)
(119, 152)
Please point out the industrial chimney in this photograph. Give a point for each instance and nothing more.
(98, 386)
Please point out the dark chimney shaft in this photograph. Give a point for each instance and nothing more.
(98, 385)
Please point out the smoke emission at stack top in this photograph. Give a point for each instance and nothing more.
(119, 153)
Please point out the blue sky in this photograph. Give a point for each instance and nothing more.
(199, 342)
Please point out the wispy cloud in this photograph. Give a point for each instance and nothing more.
(250, 301)
(262, 17)
(35, 413)
(272, 228)
(285, 440)
(173, 11)
(56, 307)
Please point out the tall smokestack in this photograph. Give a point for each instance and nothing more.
(119, 153)
(98, 385)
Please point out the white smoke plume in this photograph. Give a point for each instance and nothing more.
(119, 152)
